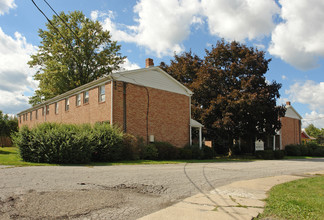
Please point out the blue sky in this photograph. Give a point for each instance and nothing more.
(290, 32)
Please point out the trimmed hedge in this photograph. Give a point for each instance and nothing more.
(76, 144)
(309, 149)
(270, 154)
(54, 143)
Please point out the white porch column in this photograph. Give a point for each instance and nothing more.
(200, 137)
(274, 142)
(190, 135)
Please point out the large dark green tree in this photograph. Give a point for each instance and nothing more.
(8, 125)
(232, 97)
(67, 59)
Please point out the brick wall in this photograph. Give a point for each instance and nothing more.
(168, 118)
(168, 113)
(290, 131)
(91, 112)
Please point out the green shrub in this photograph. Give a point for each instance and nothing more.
(22, 140)
(196, 152)
(107, 143)
(304, 150)
(131, 147)
(270, 154)
(64, 143)
(264, 154)
(149, 152)
(207, 152)
(318, 152)
(279, 154)
(293, 150)
(166, 151)
(54, 143)
(185, 153)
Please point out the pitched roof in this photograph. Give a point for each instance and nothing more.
(292, 113)
(153, 77)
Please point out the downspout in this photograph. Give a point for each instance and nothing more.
(45, 112)
(112, 101)
(124, 107)
(190, 135)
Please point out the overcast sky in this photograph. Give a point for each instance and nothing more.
(290, 31)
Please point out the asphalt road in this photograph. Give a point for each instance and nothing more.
(126, 191)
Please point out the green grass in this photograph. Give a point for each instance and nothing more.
(300, 199)
(300, 157)
(10, 156)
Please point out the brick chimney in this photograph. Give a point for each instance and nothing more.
(288, 103)
(149, 62)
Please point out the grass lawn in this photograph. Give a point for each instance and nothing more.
(10, 156)
(300, 199)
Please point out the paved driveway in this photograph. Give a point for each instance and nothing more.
(123, 192)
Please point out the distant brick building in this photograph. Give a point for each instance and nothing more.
(290, 132)
(146, 102)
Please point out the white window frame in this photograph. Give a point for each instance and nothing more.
(102, 94)
(67, 104)
(56, 107)
(78, 99)
(86, 97)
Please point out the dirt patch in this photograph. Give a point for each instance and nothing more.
(118, 202)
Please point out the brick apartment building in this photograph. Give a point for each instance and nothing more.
(145, 102)
(290, 132)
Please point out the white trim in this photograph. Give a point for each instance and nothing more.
(200, 137)
(70, 93)
(112, 101)
(195, 123)
(128, 77)
(190, 132)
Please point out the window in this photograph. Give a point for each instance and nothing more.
(36, 116)
(85, 97)
(47, 109)
(26, 116)
(78, 100)
(67, 104)
(31, 115)
(102, 93)
(56, 108)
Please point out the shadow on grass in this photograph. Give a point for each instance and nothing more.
(6, 152)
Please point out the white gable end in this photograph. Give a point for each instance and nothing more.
(291, 113)
(154, 78)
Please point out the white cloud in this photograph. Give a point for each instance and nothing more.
(127, 65)
(299, 39)
(6, 5)
(283, 77)
(15, 75)
(240, 19)
(310, 93)
(315, 118)
(161, 25)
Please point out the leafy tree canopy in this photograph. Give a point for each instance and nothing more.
(314, 131)
(8, 124)
(67, 59)
(232, 97)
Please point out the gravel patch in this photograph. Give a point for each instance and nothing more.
(123, 192)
